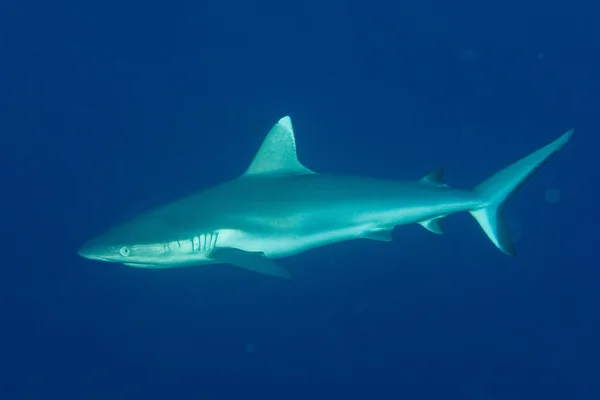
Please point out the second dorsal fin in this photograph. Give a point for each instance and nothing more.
(435, 177)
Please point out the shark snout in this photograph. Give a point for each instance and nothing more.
(85, 250)
(90, 250)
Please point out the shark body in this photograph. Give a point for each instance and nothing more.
(279, 208)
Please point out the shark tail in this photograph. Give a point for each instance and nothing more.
(499, 188)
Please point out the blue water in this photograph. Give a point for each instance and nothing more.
(109, 108)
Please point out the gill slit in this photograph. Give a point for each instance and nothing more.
(204, 242)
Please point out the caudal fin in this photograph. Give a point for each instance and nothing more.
(497, 189)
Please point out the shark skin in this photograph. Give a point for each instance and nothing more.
(279, 208)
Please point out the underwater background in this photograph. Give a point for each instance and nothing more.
(110, 108)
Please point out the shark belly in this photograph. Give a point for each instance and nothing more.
(279, 244)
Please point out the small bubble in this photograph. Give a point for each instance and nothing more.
(468, 55)
(552, 195)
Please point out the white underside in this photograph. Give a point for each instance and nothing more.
(196, 251)
(278, 246)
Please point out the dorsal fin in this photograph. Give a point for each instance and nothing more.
(277, 154)
(435, 177)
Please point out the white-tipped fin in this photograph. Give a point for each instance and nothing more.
(277, 154)
(497, 189)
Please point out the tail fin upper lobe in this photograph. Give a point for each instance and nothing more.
(500, 187)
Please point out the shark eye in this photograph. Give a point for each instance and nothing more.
(125, 252)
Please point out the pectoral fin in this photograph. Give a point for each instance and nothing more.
(253, 261)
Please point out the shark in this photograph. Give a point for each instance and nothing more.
(279, 208)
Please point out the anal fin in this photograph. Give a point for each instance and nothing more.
(252, 261)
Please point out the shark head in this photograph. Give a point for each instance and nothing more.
(135, 243)
(125, 244)
(134, 255)
(150, 241)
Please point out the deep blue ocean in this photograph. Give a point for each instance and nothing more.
(110, 108)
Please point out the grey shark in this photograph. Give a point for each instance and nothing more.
(279, 208)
